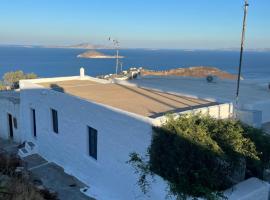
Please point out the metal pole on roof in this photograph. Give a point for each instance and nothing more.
(117, 60)
(241, 51)
(116, 46)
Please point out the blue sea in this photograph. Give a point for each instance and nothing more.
(48, 62)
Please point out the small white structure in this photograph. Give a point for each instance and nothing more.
(82, 73)
(90, 126)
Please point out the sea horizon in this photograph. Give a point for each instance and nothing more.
(53, 62)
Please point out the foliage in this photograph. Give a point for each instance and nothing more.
(2, 86)
(143, 169)
(262, 142)
(12, 79)
(21, 189)
(201, 156)
(8, 164)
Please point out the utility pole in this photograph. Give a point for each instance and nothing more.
(121, 66)
(117, 60)
(241, 52)
(116, 46)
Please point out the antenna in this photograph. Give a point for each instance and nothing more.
(241, 52)
(121, 66)
(117, 47)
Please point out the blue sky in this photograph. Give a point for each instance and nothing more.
(136, 23)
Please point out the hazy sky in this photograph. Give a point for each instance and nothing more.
(136, 23)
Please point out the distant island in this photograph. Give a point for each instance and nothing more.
(96, 55)
(89, 46)
(80, 46)
(198, 72)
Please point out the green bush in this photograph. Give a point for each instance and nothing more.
(262, 143)
(201, 156)
(12, 79)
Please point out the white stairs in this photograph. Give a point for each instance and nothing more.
(28, 149)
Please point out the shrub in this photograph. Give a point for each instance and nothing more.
(19, 187)
(12, 79)
(2, 86)
(8, 164)
(201, 156)
(262, 142)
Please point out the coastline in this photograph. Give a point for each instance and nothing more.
(99, 57)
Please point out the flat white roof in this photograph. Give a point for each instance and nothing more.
(222, 90)
(145, 102)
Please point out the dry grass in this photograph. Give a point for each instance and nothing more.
(14, 186)
(8, 164)
(20, 189)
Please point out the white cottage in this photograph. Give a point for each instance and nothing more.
(90, 126)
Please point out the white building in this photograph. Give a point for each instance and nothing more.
(90, 126)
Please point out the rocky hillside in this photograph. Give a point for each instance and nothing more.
(198, 72)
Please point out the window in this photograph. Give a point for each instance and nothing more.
(15, 123)
(10, 125)
(54, 120)
(92, 134)
(34, 126)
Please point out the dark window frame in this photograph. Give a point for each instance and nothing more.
(10, 125)
(34, 125)
(92, 142)
(54, 117)
(15, 123)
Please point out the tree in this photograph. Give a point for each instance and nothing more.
(2, 86)
(12, 79)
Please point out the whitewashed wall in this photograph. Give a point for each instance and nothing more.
(119, 134)
(220, 111)
(264, 107)
(8, 106)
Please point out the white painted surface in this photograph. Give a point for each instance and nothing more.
(253, 96)
(9, 103)
(82, 73)
(250, 117)
(119, 134)
(251, 189)
(220, 111)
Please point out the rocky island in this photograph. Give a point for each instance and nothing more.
(95, 55)
(197, 72)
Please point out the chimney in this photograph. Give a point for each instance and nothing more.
(82, 74)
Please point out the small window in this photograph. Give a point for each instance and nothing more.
(15, 123)
(54, 120)
(92, 134)
(34, 126)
